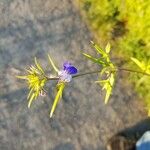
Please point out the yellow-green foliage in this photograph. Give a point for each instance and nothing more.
(36, 80)
(126, 24)
(108, 70)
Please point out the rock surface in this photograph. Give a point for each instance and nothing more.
(30, 28)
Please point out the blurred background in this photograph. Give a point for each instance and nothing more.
(33, 28)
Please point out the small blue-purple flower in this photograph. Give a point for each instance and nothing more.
(65, 75)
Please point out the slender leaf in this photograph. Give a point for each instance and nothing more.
(107, 48)
(101, 81)
(98, 49)
(108, 93)
(38, 66)
(22, 77)
(31, 99)
(93, 59)
(138, 63)
(90, 57)
(30, 92)
(57, 98)
(52, 63)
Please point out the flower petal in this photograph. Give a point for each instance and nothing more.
(71, 70)
(66, 65)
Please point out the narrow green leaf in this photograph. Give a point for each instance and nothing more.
(108, 93)
(30, 92)
(57, 98)
(99, 50)
(138, 63)
(93, 59)
(107, 48)
(22, 77)
(33, 69)
(90, 57)
(103, 71)
(112, 79)
(30, 100)
(52, 63)
(38, 65)
(29, 71)
(105, 86)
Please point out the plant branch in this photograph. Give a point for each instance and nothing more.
(134, 71)
(52, 78)
(98, 71)
(117, 69)
(86, 73)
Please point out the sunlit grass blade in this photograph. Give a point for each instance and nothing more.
(57, 98)
(52, 63)
(38, 65)
(107, 48)
(138, 63)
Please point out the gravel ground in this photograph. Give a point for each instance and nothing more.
(30, 28)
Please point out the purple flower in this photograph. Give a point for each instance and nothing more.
(70, 68)
(67, 72)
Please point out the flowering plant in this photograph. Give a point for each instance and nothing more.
(37, 78)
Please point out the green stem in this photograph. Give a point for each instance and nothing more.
(117, 69)
(86, 73)
(98, 71)
(52, 78)
(134, 71)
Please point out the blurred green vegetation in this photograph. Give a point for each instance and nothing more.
(126, 25)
